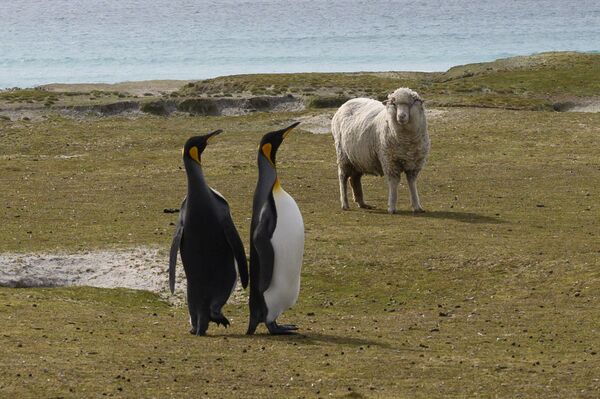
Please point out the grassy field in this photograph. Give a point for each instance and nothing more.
(494, 292)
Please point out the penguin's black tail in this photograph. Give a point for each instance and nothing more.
(257, 311)
(201, 324)
(252, 324)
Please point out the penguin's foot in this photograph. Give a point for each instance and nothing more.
(200, 331)
(217, 317)
(364, 205)
(276, 329)
(222, 321)
(291, 327)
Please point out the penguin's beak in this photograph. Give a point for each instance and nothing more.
(212, 135)
(287, 130)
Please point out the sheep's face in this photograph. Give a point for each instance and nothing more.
(403, 111)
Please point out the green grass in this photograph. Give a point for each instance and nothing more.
(302, 83)
(26, 96)
(493, 292)
(34, 98)
(326, 101)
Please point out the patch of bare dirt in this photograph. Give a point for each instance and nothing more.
(591, 107)
(141, 268)
(590, 104)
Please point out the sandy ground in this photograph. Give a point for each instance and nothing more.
(141, 268)
(155, 87)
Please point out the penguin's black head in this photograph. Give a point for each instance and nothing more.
(195, 145)
(271, 142)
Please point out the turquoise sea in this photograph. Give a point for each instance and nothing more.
(44, 41)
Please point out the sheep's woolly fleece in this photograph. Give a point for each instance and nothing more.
(321, 123)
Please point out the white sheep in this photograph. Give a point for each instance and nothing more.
(384, 139)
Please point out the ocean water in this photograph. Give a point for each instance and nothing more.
(44, 41)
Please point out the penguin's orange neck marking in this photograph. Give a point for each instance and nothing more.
(266, 150)
(194, 154)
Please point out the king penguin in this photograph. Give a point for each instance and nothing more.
(276, 243)
(212, 252)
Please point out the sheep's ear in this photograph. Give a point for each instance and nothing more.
(385, 102)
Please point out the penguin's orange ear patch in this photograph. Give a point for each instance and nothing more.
(266, 149)
(194, 154)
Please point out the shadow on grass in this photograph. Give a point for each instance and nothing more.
(465, 217)
(311, 338)
(316, 339)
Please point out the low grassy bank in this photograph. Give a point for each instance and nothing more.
(557, 81)
(537, 82)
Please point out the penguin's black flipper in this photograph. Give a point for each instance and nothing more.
(234, 240)
(175, 245)
(262, 242)
(237, 246)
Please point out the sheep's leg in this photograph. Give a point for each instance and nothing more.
(411, 177)
(358, 192)
(393, 182)
(343, 175)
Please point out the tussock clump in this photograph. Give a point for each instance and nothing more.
(198, 106)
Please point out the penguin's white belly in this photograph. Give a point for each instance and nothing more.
(288, 248)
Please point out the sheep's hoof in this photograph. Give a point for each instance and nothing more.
(419, 210)
(365, 206)
(391, 211)
(345, 208)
